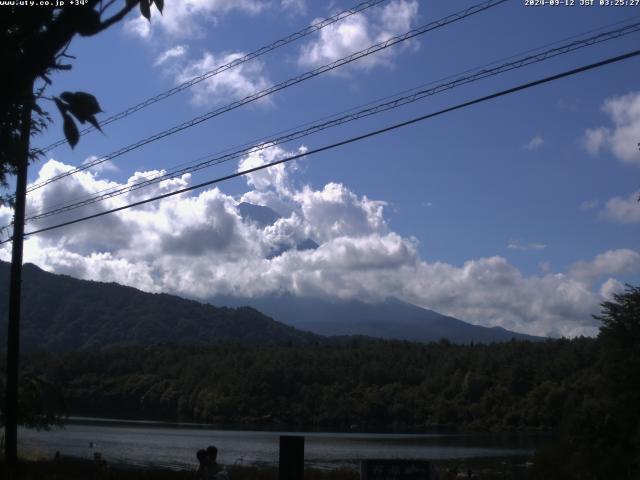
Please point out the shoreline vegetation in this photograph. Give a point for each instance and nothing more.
(71, 468)
(362, 385)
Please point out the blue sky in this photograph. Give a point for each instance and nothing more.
(519, 212)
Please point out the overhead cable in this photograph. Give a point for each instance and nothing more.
(216, 159)
(280, 86)
(314, 27)
(390, 128)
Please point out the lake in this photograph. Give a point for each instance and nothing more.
(175, 445)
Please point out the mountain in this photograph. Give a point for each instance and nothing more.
(61, 313)
(391, 319)
(258, 214)
(263, 217)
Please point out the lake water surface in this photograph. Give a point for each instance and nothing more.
(175, 445)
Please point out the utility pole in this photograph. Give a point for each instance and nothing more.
(13, 335)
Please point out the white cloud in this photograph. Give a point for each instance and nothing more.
(235, 83)
(611, 262)
(275, 177)
(107, 166)
(199, 246)
(170, 54)
(535, 143)
(518, 245)
(622, 138)
(359, 31)
(610, 288)
(623, 210)
(6, 217)
(298, 7)
(595, 139)
(545, 267)
(186, 18)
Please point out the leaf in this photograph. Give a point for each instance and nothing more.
(82, 105)
(61, 106)
(159, 5)
(70, 130)
(67, 96)
(145, 9)
(92, 120)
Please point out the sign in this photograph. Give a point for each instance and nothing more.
(291, 458)
(395, 470)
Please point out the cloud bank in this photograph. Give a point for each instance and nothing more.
(200, 245)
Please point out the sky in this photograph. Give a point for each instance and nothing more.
(519, 212)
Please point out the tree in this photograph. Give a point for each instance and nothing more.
(620, 343)
(33, 44)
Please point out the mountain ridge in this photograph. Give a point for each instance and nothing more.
(391, 319)
(62, 313)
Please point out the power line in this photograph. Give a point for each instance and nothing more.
(269, 139)
(459, 106)
(315, 128)
(314, 27)
(280, 86)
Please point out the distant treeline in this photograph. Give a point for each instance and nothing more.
(586, 390)
(362, 384)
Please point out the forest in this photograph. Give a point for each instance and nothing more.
(364, 384)
(584, 391)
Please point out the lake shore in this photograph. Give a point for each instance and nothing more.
(71, 468)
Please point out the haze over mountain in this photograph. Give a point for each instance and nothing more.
(62, 313)
(391, 319)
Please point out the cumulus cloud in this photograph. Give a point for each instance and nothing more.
(199, 245)
(359, 31)
(611, 262)
(610, 288)
(534, 144)
(621, 138)
(235, 83)
(186, 18)
(623, 209)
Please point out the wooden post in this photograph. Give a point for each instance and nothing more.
(291, 466)
(13, 333)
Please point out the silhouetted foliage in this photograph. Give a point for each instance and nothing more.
(42, 402)
(363, 384)
(33, 44)
(600, 438)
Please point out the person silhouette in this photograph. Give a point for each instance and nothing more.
(212, 456)
(203, 468)
(209, 468)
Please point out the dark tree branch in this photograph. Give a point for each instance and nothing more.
(117, 17)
